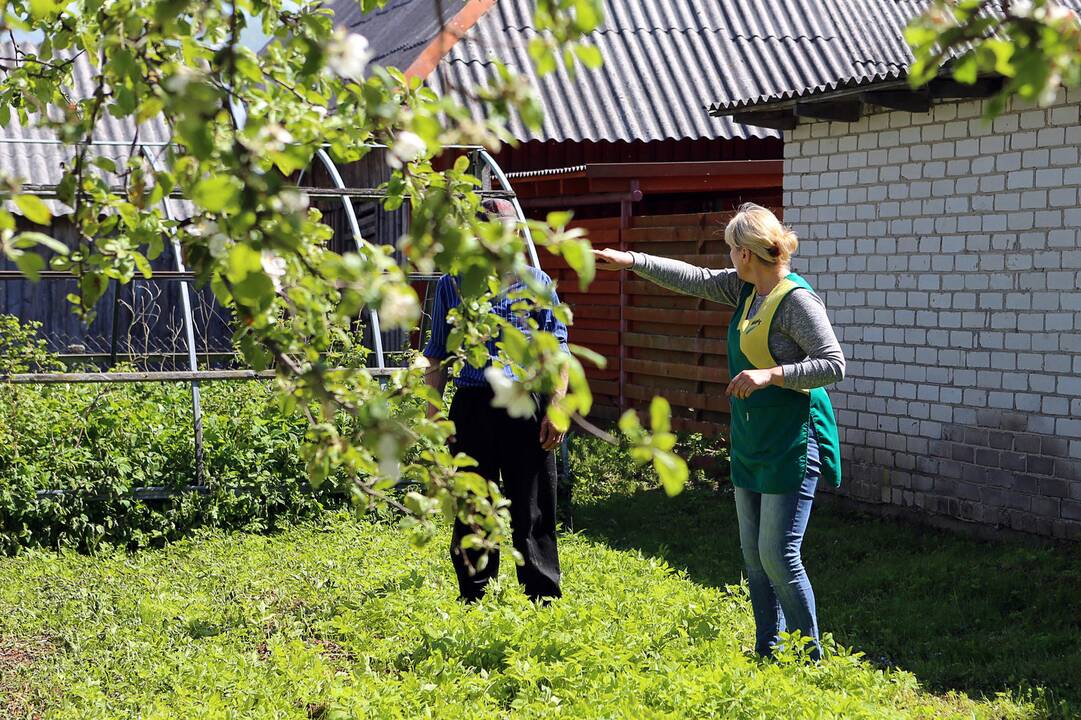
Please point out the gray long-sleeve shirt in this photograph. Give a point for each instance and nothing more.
(801, 338)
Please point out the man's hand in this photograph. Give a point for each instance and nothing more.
(549, 436)
(748, 381)
(609, 259)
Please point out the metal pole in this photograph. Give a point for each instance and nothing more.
(158, 376)
(116, 322)
(189, 332)
(351, 215)
(491, 163)
(50, 191)
(127, 143)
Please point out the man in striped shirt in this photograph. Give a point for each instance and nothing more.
(511, 443)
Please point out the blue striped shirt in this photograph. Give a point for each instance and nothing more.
(447, 297)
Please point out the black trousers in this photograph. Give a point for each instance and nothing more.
(509, 452)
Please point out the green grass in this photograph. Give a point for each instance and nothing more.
(961, 614)
(345, 619)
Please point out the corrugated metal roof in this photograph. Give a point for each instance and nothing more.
(664, 62)
(400, 30)
(856, 43)
(32, 154)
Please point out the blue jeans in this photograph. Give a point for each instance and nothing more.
(771, 531)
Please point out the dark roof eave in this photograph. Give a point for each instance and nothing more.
(846, 91)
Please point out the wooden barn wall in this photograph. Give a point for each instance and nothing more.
(656, 342)
(150, 320)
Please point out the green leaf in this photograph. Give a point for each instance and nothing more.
(672, 470)
(30, 264)
(1003, 52)
(590, 55)
(967, 69)
(34, 208)
(93, 286)
(579, 255)
(243, 260)
(588, 15)
(143, 264)
(42, 9)
(660, 413)
(216, 193)
(559, 417)
(628, 423)
(105, 163)
(150, 108)
(291, 158)
(559, 219)
(590, 355)
(542, 55)
(31, 239)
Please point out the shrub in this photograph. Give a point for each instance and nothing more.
(71, 457)
(601, 470)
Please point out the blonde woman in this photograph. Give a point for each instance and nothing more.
(782, 352)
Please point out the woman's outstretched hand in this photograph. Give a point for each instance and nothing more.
(609, 259)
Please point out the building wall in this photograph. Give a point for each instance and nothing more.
(949, 255)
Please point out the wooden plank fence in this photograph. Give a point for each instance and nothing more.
(656, 342)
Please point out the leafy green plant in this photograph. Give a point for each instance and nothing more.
(242, 124)
(71, 457)
(1035, 45)
(344, 619)
(600, 469)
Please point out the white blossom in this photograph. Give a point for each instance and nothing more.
(274, 138)
(348, 54)
(407, 148)
(509, 394)
(389, 464)
(1021, 8)
(218, 244)
(216, 241)
(274, 266)
(291, 201)
(1049, 94)
(1055, 13)
(399, 308)
(177, 83)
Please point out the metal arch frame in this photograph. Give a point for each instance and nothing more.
(488, 160)
(184, 276)
(350, 213)
(189, 333)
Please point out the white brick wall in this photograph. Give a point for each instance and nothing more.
(948, 251)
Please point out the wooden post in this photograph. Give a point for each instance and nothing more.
(626, 213)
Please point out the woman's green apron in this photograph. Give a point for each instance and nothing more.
(769, 428)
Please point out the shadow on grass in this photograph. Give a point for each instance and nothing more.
(959, 613)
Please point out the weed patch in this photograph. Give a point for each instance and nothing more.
(345, 619)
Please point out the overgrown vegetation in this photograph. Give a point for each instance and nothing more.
(959, 613)
(345, 619)
(602, 470)
(72, 455)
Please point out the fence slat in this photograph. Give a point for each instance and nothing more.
(717, 402)
(677, 370)
(676, 343)
(678, 317)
